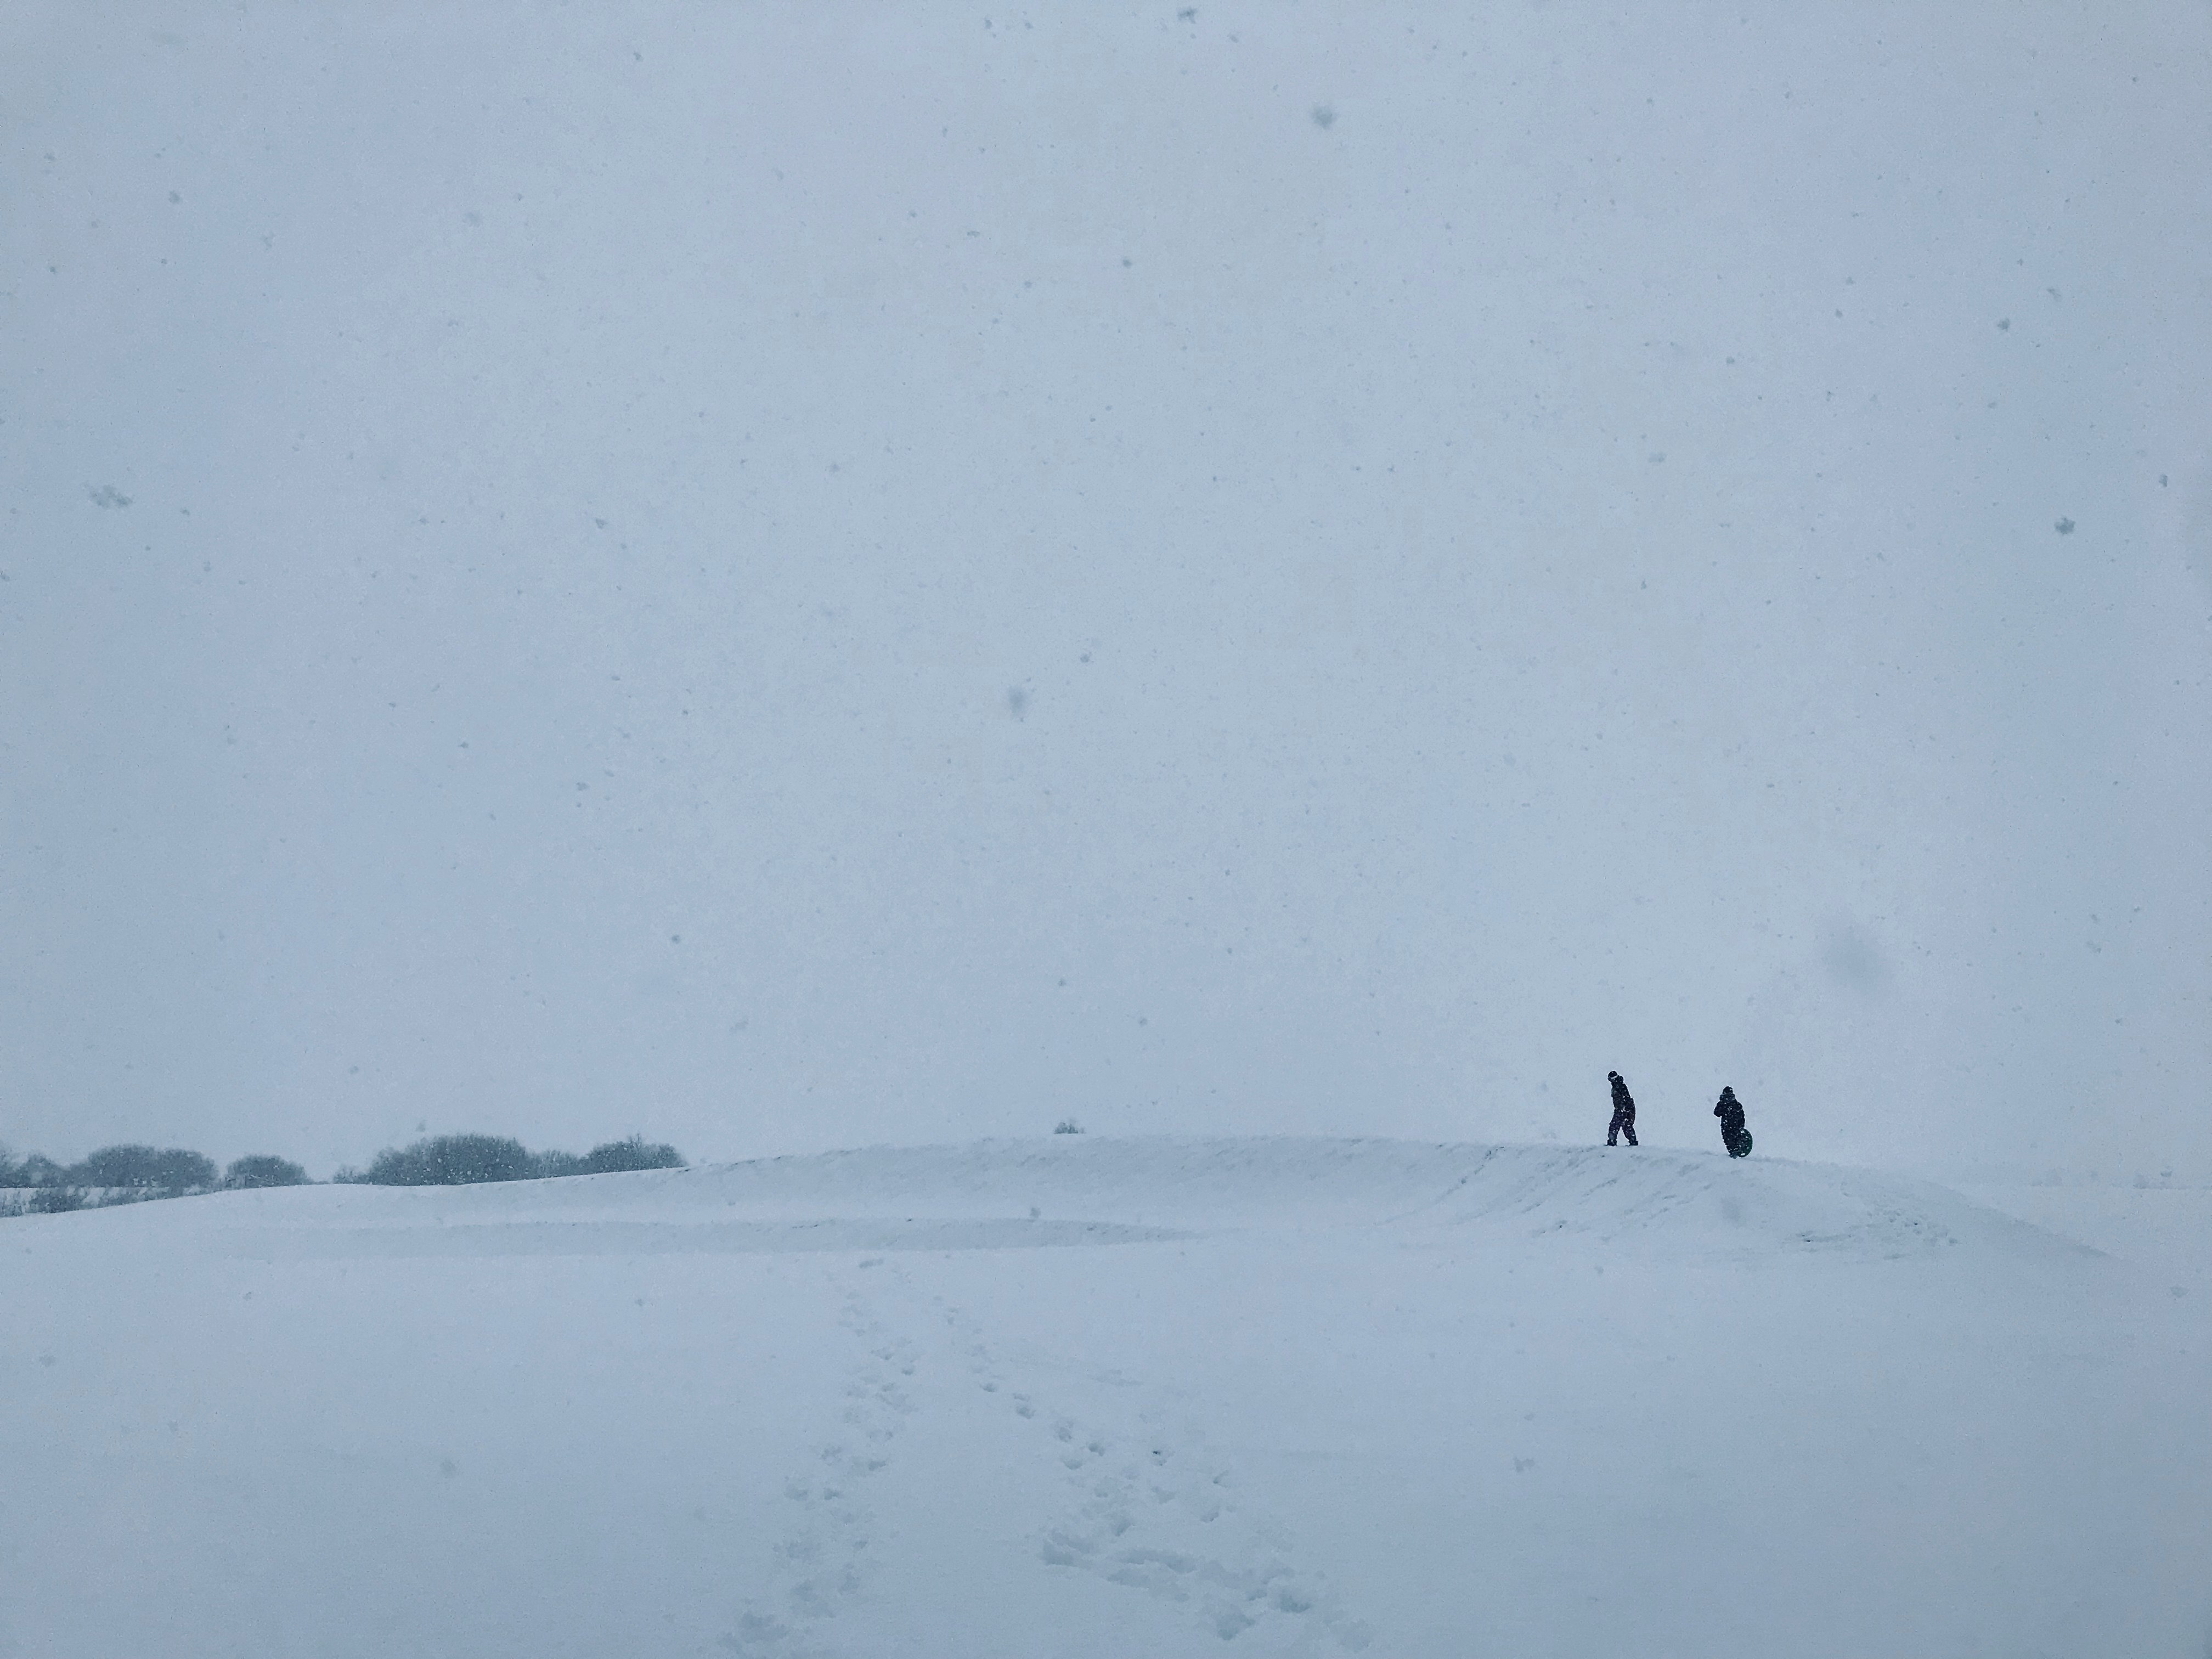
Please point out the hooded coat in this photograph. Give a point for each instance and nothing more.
(1734, 1135)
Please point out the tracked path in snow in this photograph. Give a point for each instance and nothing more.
(1149, 1506)
(1140, 1500)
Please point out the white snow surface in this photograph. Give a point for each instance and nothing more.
(1093, 1397)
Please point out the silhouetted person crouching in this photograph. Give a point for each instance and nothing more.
(1734, 1135)
(1624, 1113)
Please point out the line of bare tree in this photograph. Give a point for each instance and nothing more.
(128, 1174)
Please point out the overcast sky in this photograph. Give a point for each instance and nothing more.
(789, 576)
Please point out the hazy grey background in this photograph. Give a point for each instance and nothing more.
(786, 576)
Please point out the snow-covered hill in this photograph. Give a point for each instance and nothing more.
(1301, 1397)
(1015, 1194)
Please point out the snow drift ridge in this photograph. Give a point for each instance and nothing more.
(1066, 1191)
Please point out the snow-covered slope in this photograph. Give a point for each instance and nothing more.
(1012, 1194)
(1308, 1397)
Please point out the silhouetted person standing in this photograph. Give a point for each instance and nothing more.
(1734, 1135)
(1624, 1113)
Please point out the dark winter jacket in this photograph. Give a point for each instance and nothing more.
(1624, 1107)
(1734, 1135)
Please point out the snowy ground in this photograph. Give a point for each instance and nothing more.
(1087, 1397)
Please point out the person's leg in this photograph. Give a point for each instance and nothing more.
(1629, 1129)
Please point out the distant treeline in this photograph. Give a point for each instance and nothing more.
(127, 1174)
(464, 1160)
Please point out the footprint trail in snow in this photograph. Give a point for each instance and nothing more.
(1144, 1504)
(824, 1562)
(1150, 1508)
